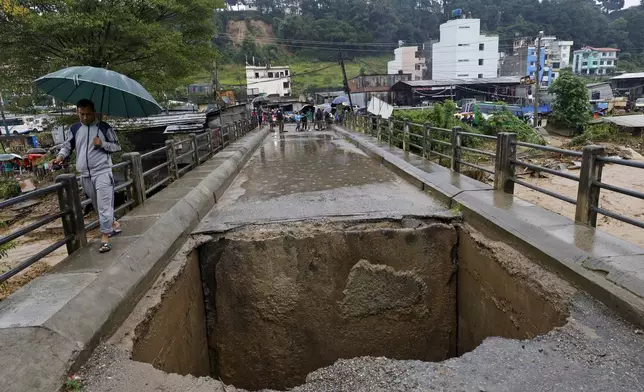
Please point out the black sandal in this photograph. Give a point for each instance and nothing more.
(105, 247)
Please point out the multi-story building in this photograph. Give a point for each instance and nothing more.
(557, 54)
(595, 61)
(408, 60)
(268, 80)
(463, 52)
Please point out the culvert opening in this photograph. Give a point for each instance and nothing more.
(264, 306)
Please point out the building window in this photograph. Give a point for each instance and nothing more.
(481, 46)
(286, 72)
(532, 63)
(556, 65)
(287, 85)
(594, 62)
(604, 54)
(256, 75)
(601, 62)
(584, 63)
(270, 74)
(480, 76)
(480, 61)
(417, 67)
(464, 61)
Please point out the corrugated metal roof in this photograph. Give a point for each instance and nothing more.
(632, 75)
(634, 121)
(462, 82)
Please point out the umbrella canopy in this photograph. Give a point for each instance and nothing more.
(307, 108)
(260, 100)
(9, 157)
(113, 94)
(323, 106)
(340, 100)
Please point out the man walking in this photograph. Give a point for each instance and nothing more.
(280, 120)
(94, 142)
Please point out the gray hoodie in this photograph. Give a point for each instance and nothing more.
(91, 160)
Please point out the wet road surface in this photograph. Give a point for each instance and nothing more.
(312, 175)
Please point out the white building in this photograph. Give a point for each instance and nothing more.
(557, 54)
(463, 52)
(594, 61)
(408, 60)
(268, 80)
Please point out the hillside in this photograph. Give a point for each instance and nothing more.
(314, 74)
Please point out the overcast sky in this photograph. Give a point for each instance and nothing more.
(632, 2)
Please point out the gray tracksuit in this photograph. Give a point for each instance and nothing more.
(95, 165)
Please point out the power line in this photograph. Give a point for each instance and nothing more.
(315, 44)
(289, 76)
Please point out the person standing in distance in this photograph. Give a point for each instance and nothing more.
(94, 142)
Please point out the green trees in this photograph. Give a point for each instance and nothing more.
(161, 43)
(570, 107)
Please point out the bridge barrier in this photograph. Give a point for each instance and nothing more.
(448, 145)
(137, 186)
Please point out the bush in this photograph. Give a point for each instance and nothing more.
(505, 121)
(596, 133)
(9, 187)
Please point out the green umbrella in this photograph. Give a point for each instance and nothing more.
(113, 94)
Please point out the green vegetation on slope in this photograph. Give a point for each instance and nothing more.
(312, 74)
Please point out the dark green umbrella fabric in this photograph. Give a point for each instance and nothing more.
(113, 94)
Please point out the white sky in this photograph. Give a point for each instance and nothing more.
(630, 3)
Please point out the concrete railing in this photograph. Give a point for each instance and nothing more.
(439, 143)
(137, 186)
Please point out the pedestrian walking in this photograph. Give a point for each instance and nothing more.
(298, 122)
(94, 142)
(318, 119)
(280, 120)
(305, 122)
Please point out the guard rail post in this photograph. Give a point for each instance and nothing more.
(588, 191)
(135, 173)
(391, 131)
(427, 151)
(211, 150)
(171, 155)
(405, 141)
(506, 151)
(73, 223)
(194, 143)
(456, 149)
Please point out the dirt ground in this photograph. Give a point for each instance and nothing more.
(623, 176)
(34, 242)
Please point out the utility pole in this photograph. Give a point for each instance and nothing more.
(4, 119)
(537, 78)
(346, 82)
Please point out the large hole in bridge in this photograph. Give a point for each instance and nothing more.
(280, 302)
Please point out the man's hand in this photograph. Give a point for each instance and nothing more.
(58, 160)
(97, 141)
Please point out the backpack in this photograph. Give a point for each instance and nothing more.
(102, 126)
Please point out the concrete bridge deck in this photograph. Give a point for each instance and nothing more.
(319, 175)
(313, 176)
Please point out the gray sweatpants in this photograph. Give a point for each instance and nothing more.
(100, 189)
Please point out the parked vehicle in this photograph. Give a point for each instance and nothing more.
(639, 104)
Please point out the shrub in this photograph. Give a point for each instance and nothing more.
(596, 133)
(9, 187)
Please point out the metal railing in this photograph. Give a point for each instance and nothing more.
(137, 185)
(439, 143)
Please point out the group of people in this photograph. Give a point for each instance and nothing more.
(317, 119)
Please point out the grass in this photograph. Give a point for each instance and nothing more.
(231, 75)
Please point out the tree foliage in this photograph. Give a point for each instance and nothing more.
(571, 107)
(354, 22)
(161, 43)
